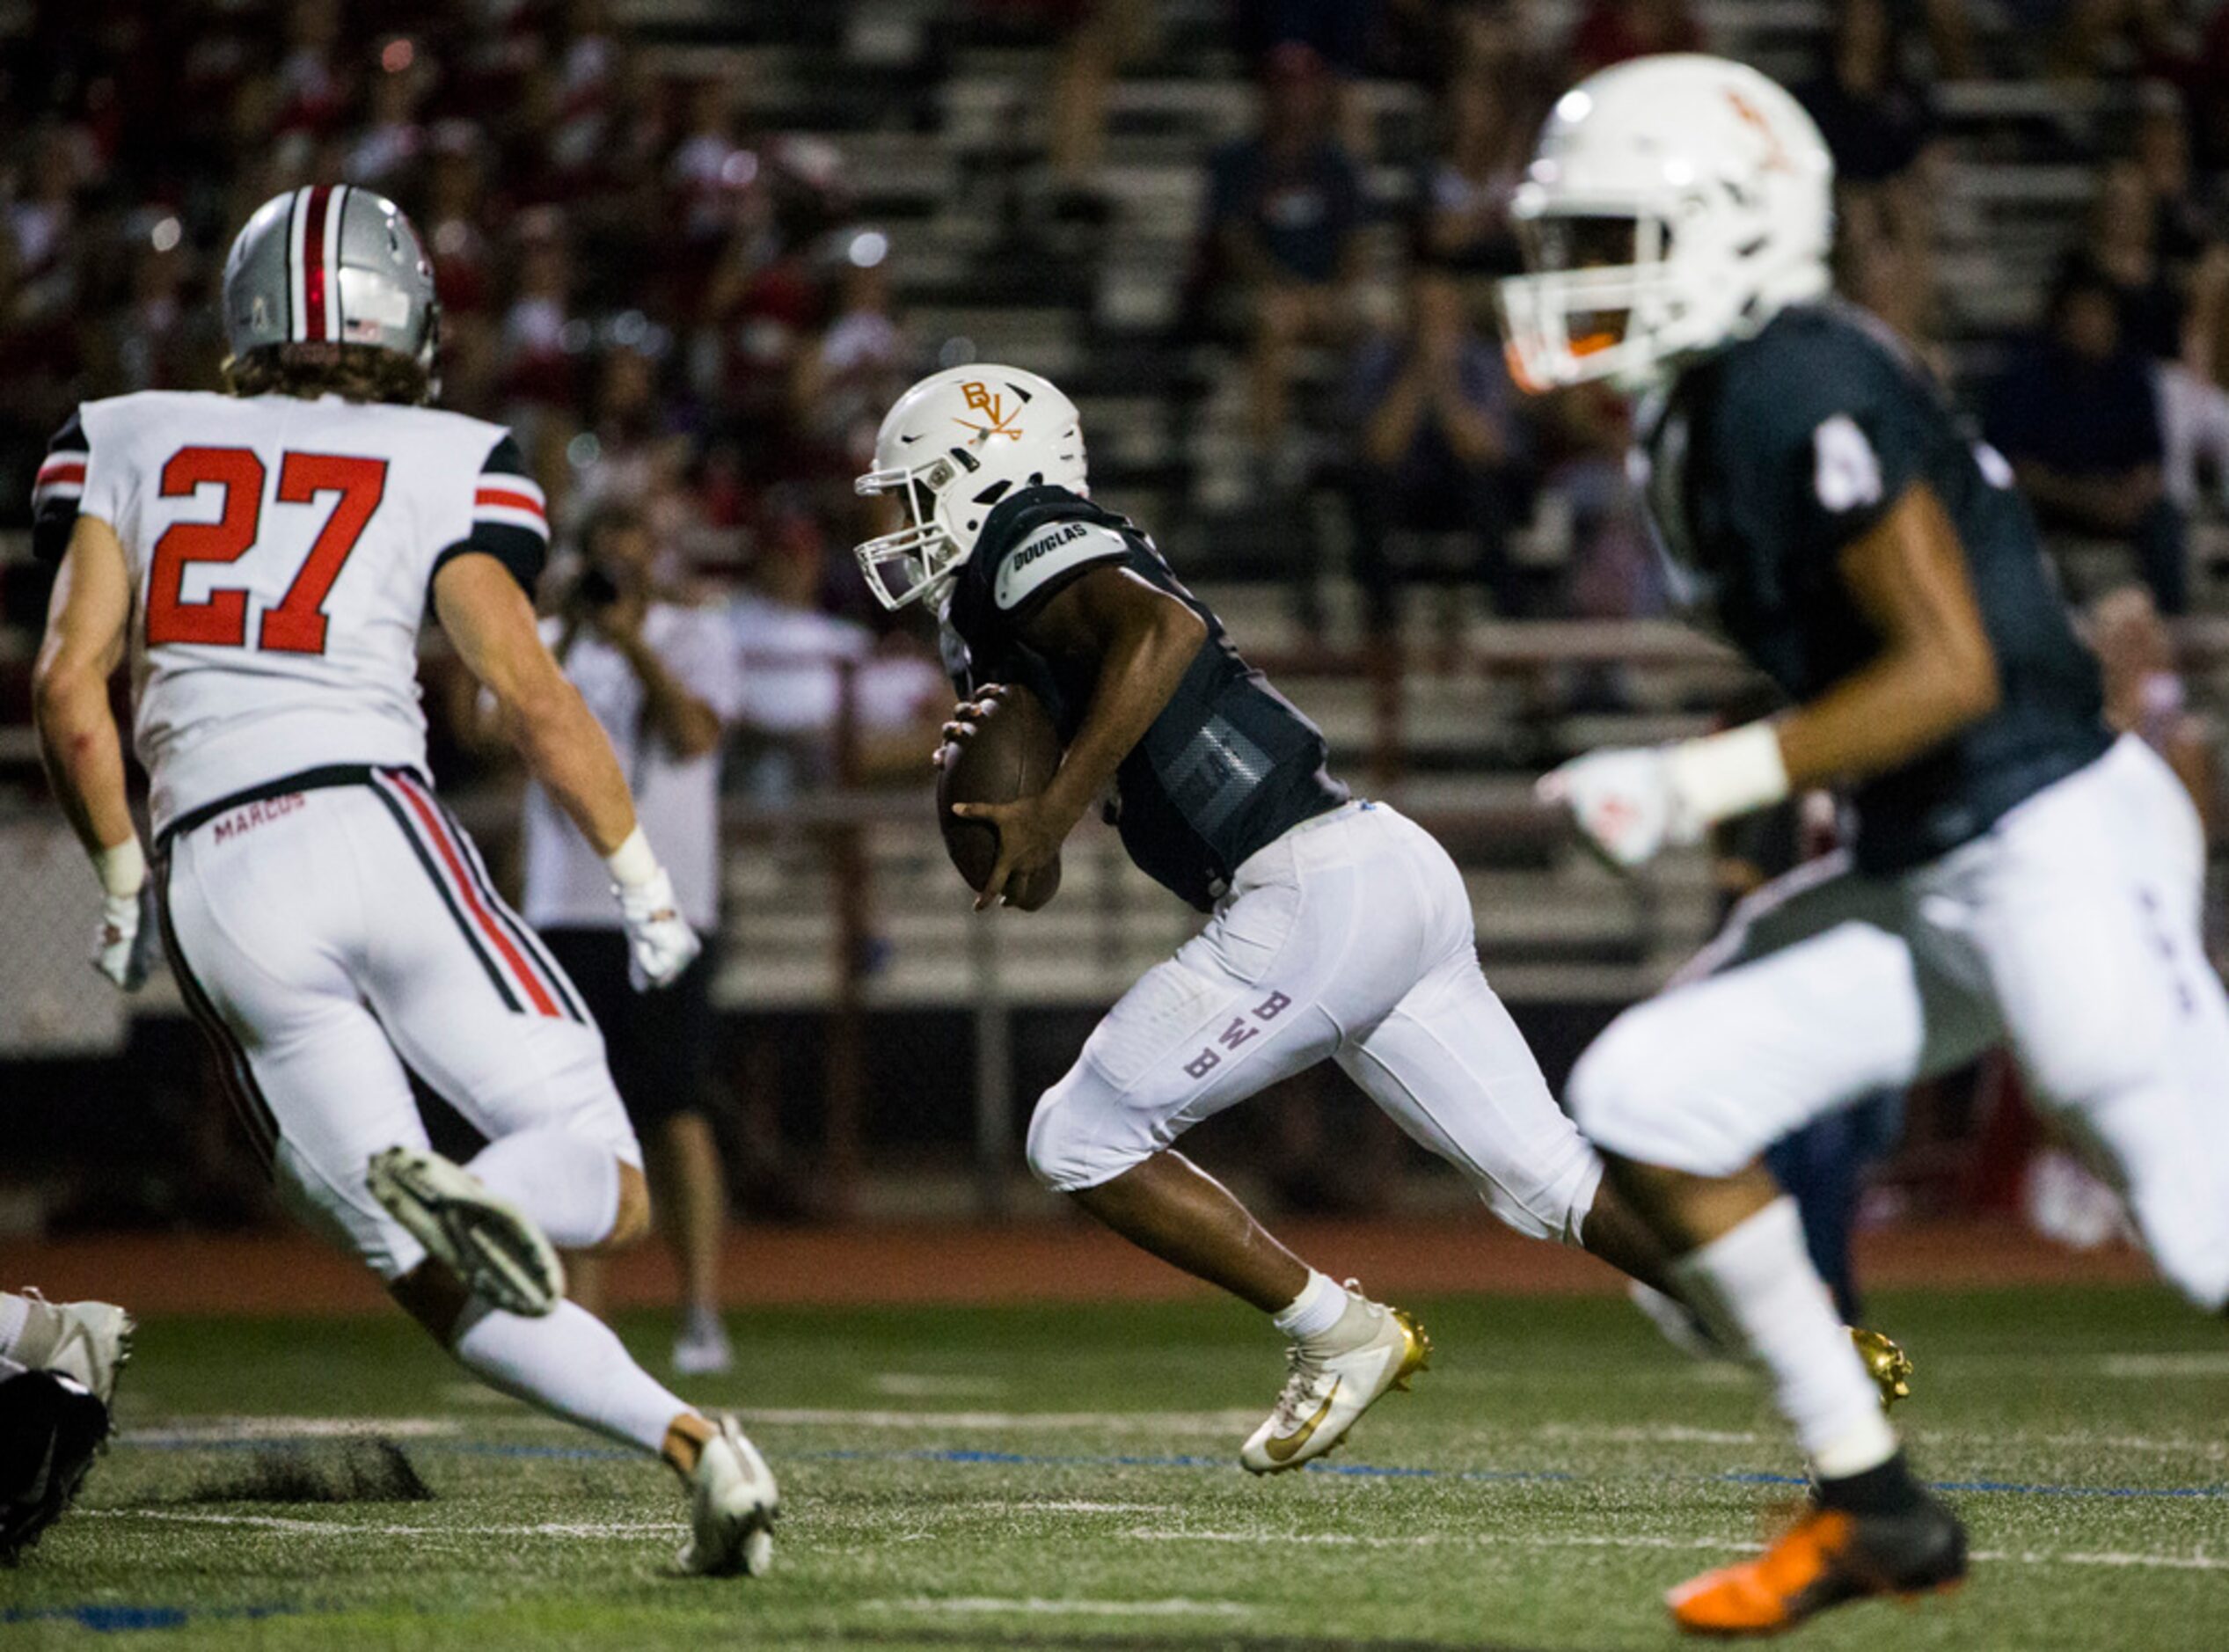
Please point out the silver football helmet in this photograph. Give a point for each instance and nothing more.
(334, 264)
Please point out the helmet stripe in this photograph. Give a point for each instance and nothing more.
(294, 264)
(320, 234)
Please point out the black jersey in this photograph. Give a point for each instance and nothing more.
(1765, 461)
(1228, 767)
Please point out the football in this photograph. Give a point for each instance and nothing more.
(1013, 754)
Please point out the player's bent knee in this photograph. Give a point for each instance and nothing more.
(1071, 1145)
(1632, 1095)
(1553, 1204)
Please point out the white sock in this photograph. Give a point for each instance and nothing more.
(1755, 1285)
(567, 1185)
(15, 1314)
(569, 1364)
(1318, 1306)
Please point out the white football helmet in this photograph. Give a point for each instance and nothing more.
(952, 448)
(1674, 205)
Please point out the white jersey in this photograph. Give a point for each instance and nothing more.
(281, 552)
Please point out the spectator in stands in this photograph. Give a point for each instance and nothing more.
(2170, 314)
(2145, 694)
(1878, 125)
(1613, 31)
(1462, 196)
(1434, 420)
(1284, 212)
(862, 362)
(1100, 39)
(386, 153)
(814, 684)
(2077, 417)
(661, 677)
(467, 271)
(1588, 520)
(542, 343)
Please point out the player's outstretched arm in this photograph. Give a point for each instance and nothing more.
(493, 625)
(1143, 640)
(488, 617)
(1936, 672)
(86, 620)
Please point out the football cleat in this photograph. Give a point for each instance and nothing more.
(500, 1256)
(1828, 1558)
(1888, 1364)
(733, 1501)
(95, 1342)
(51, 1429)
(1885, 1362)
(1326, 1392)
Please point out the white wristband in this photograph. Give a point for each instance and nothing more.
(633, 863)
(1724, 775)
(121, 868)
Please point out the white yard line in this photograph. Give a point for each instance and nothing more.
(1680, 1434)
(2143, 1367)
(905, 1385)
(604, 1531)
(2198, 1560)
(226, 1430)
(1035, 1606)
(358, 1529)
(1155, 1422)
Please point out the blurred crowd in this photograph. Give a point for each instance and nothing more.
(2112, 412)
(677, 307)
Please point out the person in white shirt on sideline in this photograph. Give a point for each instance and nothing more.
(661, 675)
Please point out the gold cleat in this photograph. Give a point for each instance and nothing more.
(1327, 1393)
(1888, 1364)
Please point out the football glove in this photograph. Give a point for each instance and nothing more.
(1632, 801)
(1625, 802)
(660, 942)
(124, 950)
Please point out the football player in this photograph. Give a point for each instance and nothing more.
(1337, 929)
(2017, 875)
(265, 559)
(58, 1367)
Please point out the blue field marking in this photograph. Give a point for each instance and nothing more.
(983, 1457)
(106, 1618)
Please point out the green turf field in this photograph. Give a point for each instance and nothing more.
(1057, 1478)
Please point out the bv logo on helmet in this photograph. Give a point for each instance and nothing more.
(980, 397)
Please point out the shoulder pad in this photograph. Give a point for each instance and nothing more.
(1055, 549)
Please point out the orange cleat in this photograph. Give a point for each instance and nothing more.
(1827, 1557)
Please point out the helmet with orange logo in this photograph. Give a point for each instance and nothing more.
(1674, 204)
(950, 448)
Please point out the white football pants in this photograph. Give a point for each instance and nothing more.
(1349, 937)
(2070, 930)
(323, 938)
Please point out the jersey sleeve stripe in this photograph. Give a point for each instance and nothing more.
(528, 522)
(58, 482)
(73, 462)
(512, 498)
